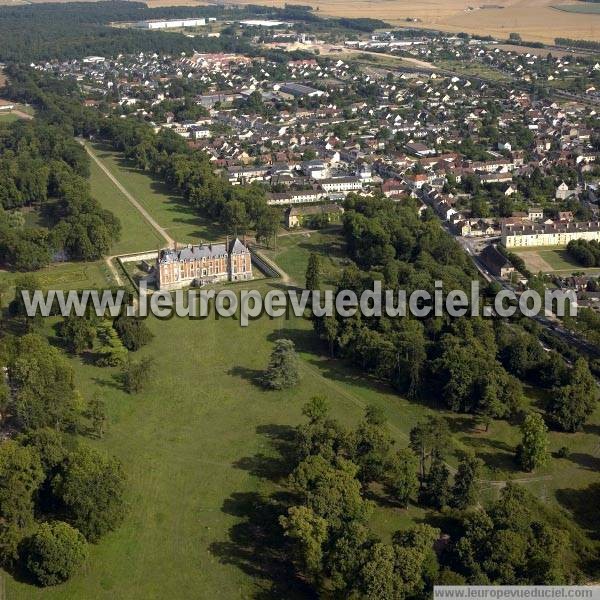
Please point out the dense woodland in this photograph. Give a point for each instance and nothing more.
(471, 365)
(335, 477)
(43, 170)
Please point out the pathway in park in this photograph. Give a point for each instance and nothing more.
(161, 230)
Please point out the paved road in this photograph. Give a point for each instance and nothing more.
(161, 230)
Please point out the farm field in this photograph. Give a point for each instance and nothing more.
(551, 260)
(586, 8)
(137, 234)
(534, 20)
(165, 205)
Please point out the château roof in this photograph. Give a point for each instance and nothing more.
(200, 251)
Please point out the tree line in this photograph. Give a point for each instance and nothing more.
(43, 170)
(57, 493)
(472, 365)
(586, 253)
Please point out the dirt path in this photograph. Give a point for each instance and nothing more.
(21, 114)
(161, 230)
(113, 270)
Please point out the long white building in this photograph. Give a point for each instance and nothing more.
(549, 234)
(171, 23)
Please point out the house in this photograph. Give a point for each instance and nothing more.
(535, 213)
(496, 263)
(563, 192)
(419, 149)
(295, 197)
(203, 264)
(298, 216)
(341, 184)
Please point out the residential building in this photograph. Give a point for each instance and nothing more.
(555, 233)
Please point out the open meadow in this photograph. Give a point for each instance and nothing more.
(165, 205)
(551, 260)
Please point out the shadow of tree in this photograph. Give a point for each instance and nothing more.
(497, 455)
(586, 461)
(583, 505)
(256, 544)
(251, 375)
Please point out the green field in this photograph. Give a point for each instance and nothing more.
(137, 233)
(199, 451)
(550, 260)
(292, 252)
(586, 8)
(165, 205)
(66, 276)
(8, 117)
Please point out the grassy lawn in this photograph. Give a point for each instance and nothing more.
(66, 276)
(199, 451)
(552, 259)
(8, 117)
(164, 204)
(200, 445)
(293, 250)
(136, 233)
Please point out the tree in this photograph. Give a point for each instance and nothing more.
(136, 374)
(235, 217)
(321, 435)
(44, 386)
(573, 403)
(464, 491)
(348, 551)
(332, 491)
(370, 445)
(282, 371)
(134, 333)
(533, 450)
(402, 479)
(329, 332)
(90, 489)
(309, 532)
(411, 356)
(428, 438)
(21, 475)
(54, 553)
(313, 272)
(435, 491)
(78, 333)
(267, 225)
